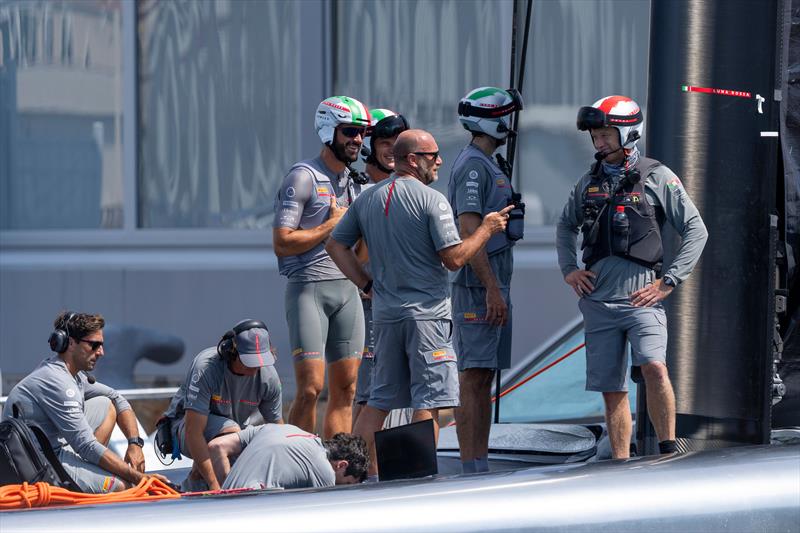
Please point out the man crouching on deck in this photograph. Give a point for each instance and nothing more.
(78, 414)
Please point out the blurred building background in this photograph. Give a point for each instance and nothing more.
(141, 143)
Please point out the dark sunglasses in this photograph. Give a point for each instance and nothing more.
(389, 127)
(435, 155)
(351, 132)
(95, 345)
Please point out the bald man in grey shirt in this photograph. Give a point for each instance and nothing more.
(412, 241)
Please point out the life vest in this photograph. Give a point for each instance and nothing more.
(642, 244)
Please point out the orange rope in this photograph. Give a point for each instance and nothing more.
(42, 494)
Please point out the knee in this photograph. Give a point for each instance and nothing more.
(655, 373)
(308, 393)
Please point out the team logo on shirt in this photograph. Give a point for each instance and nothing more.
(593, 189)
(290, 192)
(443, 206)
(70, 393)
(323, 191)
(473, 174)
(195, 377)
(674, 183)
(502, 183)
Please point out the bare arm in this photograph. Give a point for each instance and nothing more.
(456, 256)
(347, 261)
(134, 456)
(221, 449)
(195, 424)
(288, 241)
(496, 307)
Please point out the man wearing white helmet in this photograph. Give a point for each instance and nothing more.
(620, 206)
(480, 290)
(378, 152)
(323, 310)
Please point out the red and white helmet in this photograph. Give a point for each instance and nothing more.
(615, 111)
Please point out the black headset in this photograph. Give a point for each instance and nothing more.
(59, 339)
(226, 347)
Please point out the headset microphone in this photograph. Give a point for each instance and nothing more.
(90, 378)
(599, 156)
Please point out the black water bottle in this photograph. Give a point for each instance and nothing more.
(621, 229)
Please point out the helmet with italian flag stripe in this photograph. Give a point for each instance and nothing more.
(614, 111)
(338, 110)
(488, 110)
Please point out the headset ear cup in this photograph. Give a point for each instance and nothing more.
(59, 341)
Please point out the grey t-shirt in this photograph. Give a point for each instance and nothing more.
(470, 186)
(617, 278)
(303, 202)
(53, 399)
(211, 388)
(404, 223)
(280, 456)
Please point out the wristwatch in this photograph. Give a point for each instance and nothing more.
(669, 281)
(137, 441)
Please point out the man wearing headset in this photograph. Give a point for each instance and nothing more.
(226, 389)
(77, 413)
(621, 206)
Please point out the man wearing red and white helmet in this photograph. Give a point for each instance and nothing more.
(620, 207)
(323, 309)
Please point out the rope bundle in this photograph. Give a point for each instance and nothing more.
(41, 494)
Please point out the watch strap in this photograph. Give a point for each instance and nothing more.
(137, 441)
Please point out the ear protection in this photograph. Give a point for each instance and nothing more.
(59, 339)
(226, 347)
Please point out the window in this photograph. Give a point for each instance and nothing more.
(218, 110)
(60, 115)
(420, 57)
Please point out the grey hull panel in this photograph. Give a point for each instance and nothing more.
(737, 489)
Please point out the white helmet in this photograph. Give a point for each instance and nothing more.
(616, 111)
(488, 110)
(337, 110)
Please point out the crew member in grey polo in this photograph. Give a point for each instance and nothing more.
(409, 231)
(287, 457)
(482, 311)
(227, 388)
(323, 309)
(73, 410)
(621, 206)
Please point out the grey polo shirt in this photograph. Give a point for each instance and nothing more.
(404, 223)
(53, 398)
(211, 388)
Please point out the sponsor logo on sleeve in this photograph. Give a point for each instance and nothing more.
(472, 190)
(443, 206)
(289, 203)
(195, 377)
(446, 217)
(472, 184)
(442, 355)
(290, 192)
(70, 393)
(193, 388)
(71, 403)
(473, 174)
(674, 183)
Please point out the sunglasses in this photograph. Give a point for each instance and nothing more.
(434, 155)
(95, 345)
(351, 132)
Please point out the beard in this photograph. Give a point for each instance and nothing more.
(339, 150)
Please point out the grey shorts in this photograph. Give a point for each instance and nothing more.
(90, 477)
(215, 426)
(324, 317)
(478, 343)
(415, 366)
(607, 328)
(364, 384)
